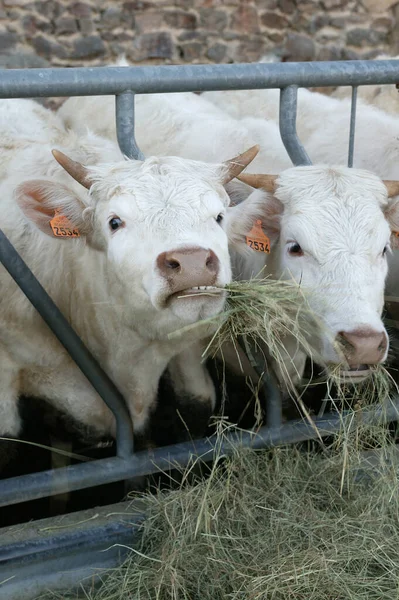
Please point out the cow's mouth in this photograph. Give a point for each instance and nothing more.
(196, 293)
(201, 290)
(356, 374)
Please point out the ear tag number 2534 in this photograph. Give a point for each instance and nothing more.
(257, 239)
(62, 227)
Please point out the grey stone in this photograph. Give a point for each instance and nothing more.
(80, 9)
(189, 36)
(190, 51)
(329, 4)
(273, 20)
(149, 21)
(32, 24)
(91, 46)
(364, 37)
(329, 53)
(112, 17)
(153, 45)
(180, 19)
(342, 21)
(48, 49)
(213, 20)
(7, 40)
(299, 48)
(86, 25)
(348, 54)
(317, 22)
(245, 19)
(66, 25)
(217, 52)
(184, 3)
(49, 8)
(252, 50)
(22, 60)
(287, 6)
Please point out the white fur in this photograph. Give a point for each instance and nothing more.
(106, 283)
(336, 214)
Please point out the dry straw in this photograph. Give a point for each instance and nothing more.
(280, 525)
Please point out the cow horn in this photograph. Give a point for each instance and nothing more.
(238, 163)
(266, 182)
(392, 187)
(75, 169)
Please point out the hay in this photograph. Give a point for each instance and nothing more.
(278, 525)
(264, 312)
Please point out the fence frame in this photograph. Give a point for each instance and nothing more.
(124, 83)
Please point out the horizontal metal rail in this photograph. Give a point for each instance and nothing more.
(98, 81)
(109, 470)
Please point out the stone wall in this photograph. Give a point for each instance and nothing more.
(91, 32)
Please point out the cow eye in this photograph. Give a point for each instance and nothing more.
(219, 218)
(385, 250)
(115, 223)
(295, 250)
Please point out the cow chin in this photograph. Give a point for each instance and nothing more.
(191, 306)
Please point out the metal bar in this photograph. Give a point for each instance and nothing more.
(352, 127)
(287, 123)
(99, 472)
(125, 125)
(258, 360)
(49, 312)
(98, 81)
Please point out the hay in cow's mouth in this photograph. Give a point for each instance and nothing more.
(266, 311)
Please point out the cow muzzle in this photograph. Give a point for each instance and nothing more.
(362, 348)
(189, 272)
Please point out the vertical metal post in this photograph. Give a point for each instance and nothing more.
(287, 122)
(125, 125)
(352, 126)
(258, 360)
(49, 312)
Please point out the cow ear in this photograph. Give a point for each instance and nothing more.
(53, 208)
(255, 219)
(392, 216)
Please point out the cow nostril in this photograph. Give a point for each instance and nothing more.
(212, 261)
(172, 264)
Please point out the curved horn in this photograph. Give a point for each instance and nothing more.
(238, 163)
(266, 182)
(392, 187)
(75, 169)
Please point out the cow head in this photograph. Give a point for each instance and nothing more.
(331, 228)
(160, 223)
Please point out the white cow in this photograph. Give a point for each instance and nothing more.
(135, 252)
(329, 227)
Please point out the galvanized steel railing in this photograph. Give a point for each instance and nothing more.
(124, 83)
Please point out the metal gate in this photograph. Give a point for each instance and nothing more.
(124, 83)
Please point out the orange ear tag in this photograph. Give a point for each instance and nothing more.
(257, 239)
(62, 227)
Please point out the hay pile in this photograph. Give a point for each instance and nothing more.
(280, 525)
